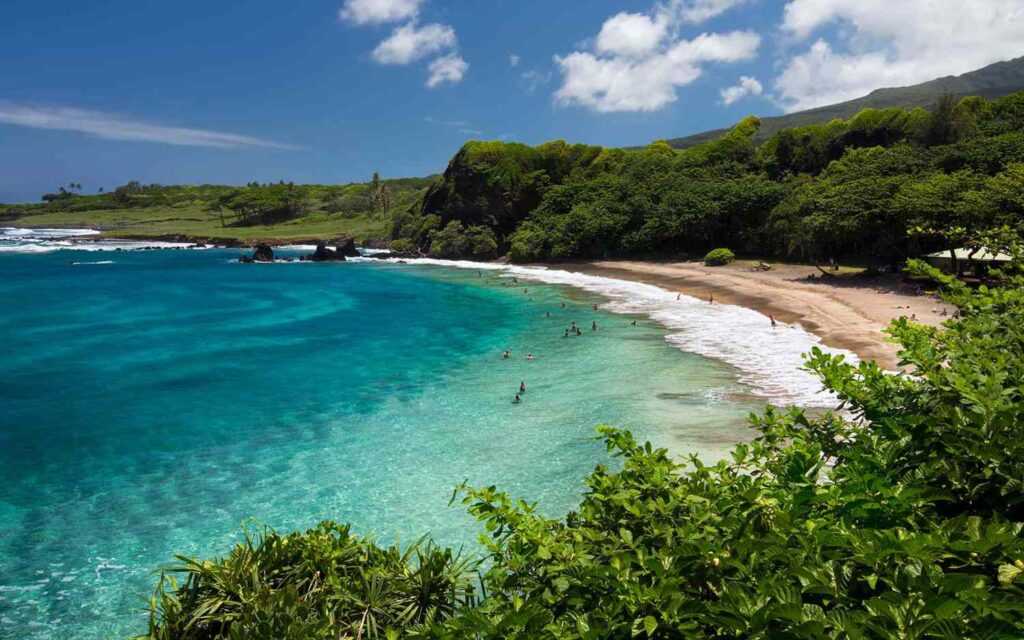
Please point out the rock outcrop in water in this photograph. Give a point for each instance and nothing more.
(323, 254)
(262, 253)
(348, 248)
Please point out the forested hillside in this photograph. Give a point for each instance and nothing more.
(870, 187)
(994, 81)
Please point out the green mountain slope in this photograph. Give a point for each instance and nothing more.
(993, 81)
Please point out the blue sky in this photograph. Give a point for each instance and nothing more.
(330, 91)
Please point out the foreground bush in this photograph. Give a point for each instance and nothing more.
(718, 257)
(899, 516)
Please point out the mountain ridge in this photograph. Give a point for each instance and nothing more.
(992, 81)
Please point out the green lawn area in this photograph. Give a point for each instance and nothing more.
(196, 222)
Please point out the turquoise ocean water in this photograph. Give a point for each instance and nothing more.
(153, 402)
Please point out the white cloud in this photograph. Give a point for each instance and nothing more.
(449, 68)
(747, 86)
(114, 127)
(631, 34)
(471, 132)
(513, 60)
(411, 42)
(884, 43)
(646, 83)
(379, 11)
(696, 11)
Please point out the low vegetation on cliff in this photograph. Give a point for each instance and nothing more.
(897, 516)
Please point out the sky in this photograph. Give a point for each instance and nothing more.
(329, 91)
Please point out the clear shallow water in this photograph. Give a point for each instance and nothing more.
(153, 402)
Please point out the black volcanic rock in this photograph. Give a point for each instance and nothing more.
(348, 249)
(263, 253)
(323, 254)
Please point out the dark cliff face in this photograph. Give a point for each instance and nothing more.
(496, 192)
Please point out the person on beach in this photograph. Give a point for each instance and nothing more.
(711, 299)
(593, 326)
(772, 318)
(522, 386)
(517, 400)
(506, 355)
(678, 296)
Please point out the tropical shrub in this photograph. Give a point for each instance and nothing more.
(718, 257)
(402, 245)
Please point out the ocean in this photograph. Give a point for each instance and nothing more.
(153, 401)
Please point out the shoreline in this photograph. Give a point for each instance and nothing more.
(846, 313)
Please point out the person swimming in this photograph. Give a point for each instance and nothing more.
(593, 326)
(526, 291)
(566, 334)
(506, 355)
(522, 387)
(595, 307)
(547, 314)
(529, 356)
(515, 279)
(563, 305)
(633, 323)
(517, 400)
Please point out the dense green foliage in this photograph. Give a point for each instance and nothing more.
(325, 583)
(864, 187)
(718, 257)
(897, 516)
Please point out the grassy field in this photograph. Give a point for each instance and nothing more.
(276, 212)
(195, 222)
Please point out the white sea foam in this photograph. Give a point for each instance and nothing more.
(19, 240)
(769, 360)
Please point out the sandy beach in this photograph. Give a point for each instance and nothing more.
(846, 312)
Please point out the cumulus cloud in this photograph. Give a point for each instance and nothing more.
(114, 127)
(411, 42)
(883, 43)
(450, 68)
(747, 86)
(379, 11)
(607, 83)
(513, 60)
(632, 34)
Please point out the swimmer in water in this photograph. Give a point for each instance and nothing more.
(633, 323)
(566, 334)
(506, 355)
(593, 326)
(529, 356)
(547, 315)
(522, 387)
(526, 291)
(517, 400)
(563, 305)
(595, 307)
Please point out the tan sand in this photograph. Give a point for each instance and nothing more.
(846, 312)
